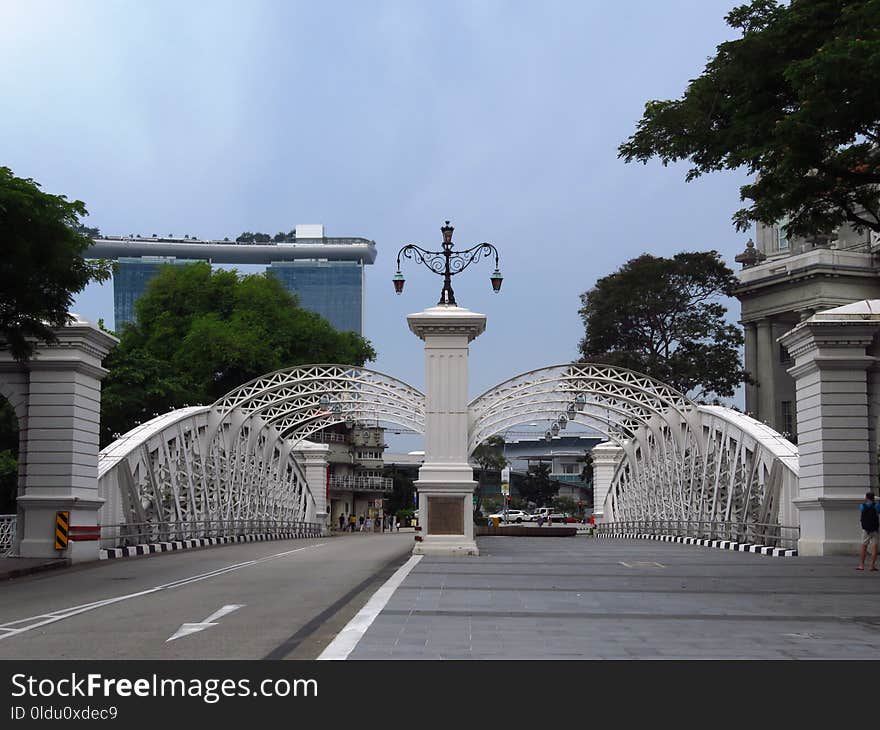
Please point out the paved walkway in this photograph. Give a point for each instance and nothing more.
(582, 598)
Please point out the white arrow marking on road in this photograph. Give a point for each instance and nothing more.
(187, 629)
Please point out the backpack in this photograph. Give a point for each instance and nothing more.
(870, 519)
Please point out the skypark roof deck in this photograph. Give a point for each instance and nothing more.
(361, 250)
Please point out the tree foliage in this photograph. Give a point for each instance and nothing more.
(42, 266)
(8, 457)
(489, 455)
(537, 486)
(663, 317)
(796, 102)
(200, 333)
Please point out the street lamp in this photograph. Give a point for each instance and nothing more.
(447, 263)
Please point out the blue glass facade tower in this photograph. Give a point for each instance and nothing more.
(333, 289)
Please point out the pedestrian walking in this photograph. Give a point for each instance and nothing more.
(869, 513)
(352, 522)
(341, 522)
(361, 522)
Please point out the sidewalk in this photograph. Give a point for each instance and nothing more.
(582, 598)
(18, 567)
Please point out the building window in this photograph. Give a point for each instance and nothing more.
(789, 425)
(782, 243)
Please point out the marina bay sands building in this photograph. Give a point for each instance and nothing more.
(326, 274)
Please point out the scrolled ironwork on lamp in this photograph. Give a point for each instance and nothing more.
(447, 263)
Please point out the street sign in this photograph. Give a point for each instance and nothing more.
(505, 481)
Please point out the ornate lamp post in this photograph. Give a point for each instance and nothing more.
(446, 480)
(447, 263)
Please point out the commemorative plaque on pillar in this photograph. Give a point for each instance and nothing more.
(446, 480)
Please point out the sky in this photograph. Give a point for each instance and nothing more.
(378, 119)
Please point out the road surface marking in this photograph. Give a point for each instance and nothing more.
(347, 639)
(13, 628)
(194, 628)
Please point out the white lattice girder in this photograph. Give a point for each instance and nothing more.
(734, 470)
(627, 398)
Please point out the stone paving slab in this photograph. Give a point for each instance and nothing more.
(558, 598)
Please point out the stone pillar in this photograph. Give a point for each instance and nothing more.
(446, 480)
(606, 457)
(61, 441)
(834, 434)
(751, 357)
(766, 374)
(313, 461)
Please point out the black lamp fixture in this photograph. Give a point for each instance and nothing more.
(447, 263)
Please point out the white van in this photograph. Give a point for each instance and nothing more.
(549, 514)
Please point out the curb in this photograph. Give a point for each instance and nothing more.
(741, 547)
(41, 568)
(165, 547)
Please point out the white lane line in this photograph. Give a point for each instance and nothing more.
(194, 628)
(347, 639)
(34, 622)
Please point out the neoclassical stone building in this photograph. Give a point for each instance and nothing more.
(784, 282)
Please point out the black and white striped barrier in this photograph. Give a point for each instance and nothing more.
(721, 544)
(164, 547)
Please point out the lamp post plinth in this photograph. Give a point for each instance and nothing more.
(446, 480)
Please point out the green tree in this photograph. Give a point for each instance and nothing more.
(402, 493)
(200, 333)
(795, 103)
(537, 486)
(8, 457)
(663, 317)
(489, 455)
(42, 266)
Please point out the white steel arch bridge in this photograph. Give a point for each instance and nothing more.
(237, 465)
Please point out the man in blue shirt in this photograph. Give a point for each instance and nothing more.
(869, 512)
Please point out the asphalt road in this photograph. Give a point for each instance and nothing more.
(280, 599)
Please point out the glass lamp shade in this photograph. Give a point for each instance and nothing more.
(554, 429)
(496, 280)
(398, 281)
(572, 409)
(547, 436)
(562, 421)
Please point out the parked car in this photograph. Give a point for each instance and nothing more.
(513, 515)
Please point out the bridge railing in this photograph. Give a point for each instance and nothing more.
(7, 534)
(139, 533)
(755, 533)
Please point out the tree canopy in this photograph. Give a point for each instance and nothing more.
(200, 333)
(489, 455)
(663, 317)
(796, 102)
(537, 486)
(42, 266)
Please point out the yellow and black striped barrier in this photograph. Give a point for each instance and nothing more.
(62, 530)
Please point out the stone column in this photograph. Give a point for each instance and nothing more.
(834, 434)
(766, 374)
(446, 480)
(751, 358)
(606, 457)
(313, 461)
(64, 411)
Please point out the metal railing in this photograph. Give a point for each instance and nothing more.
(756, 533)
(382, 484)
(7, 534)
(135, 533)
